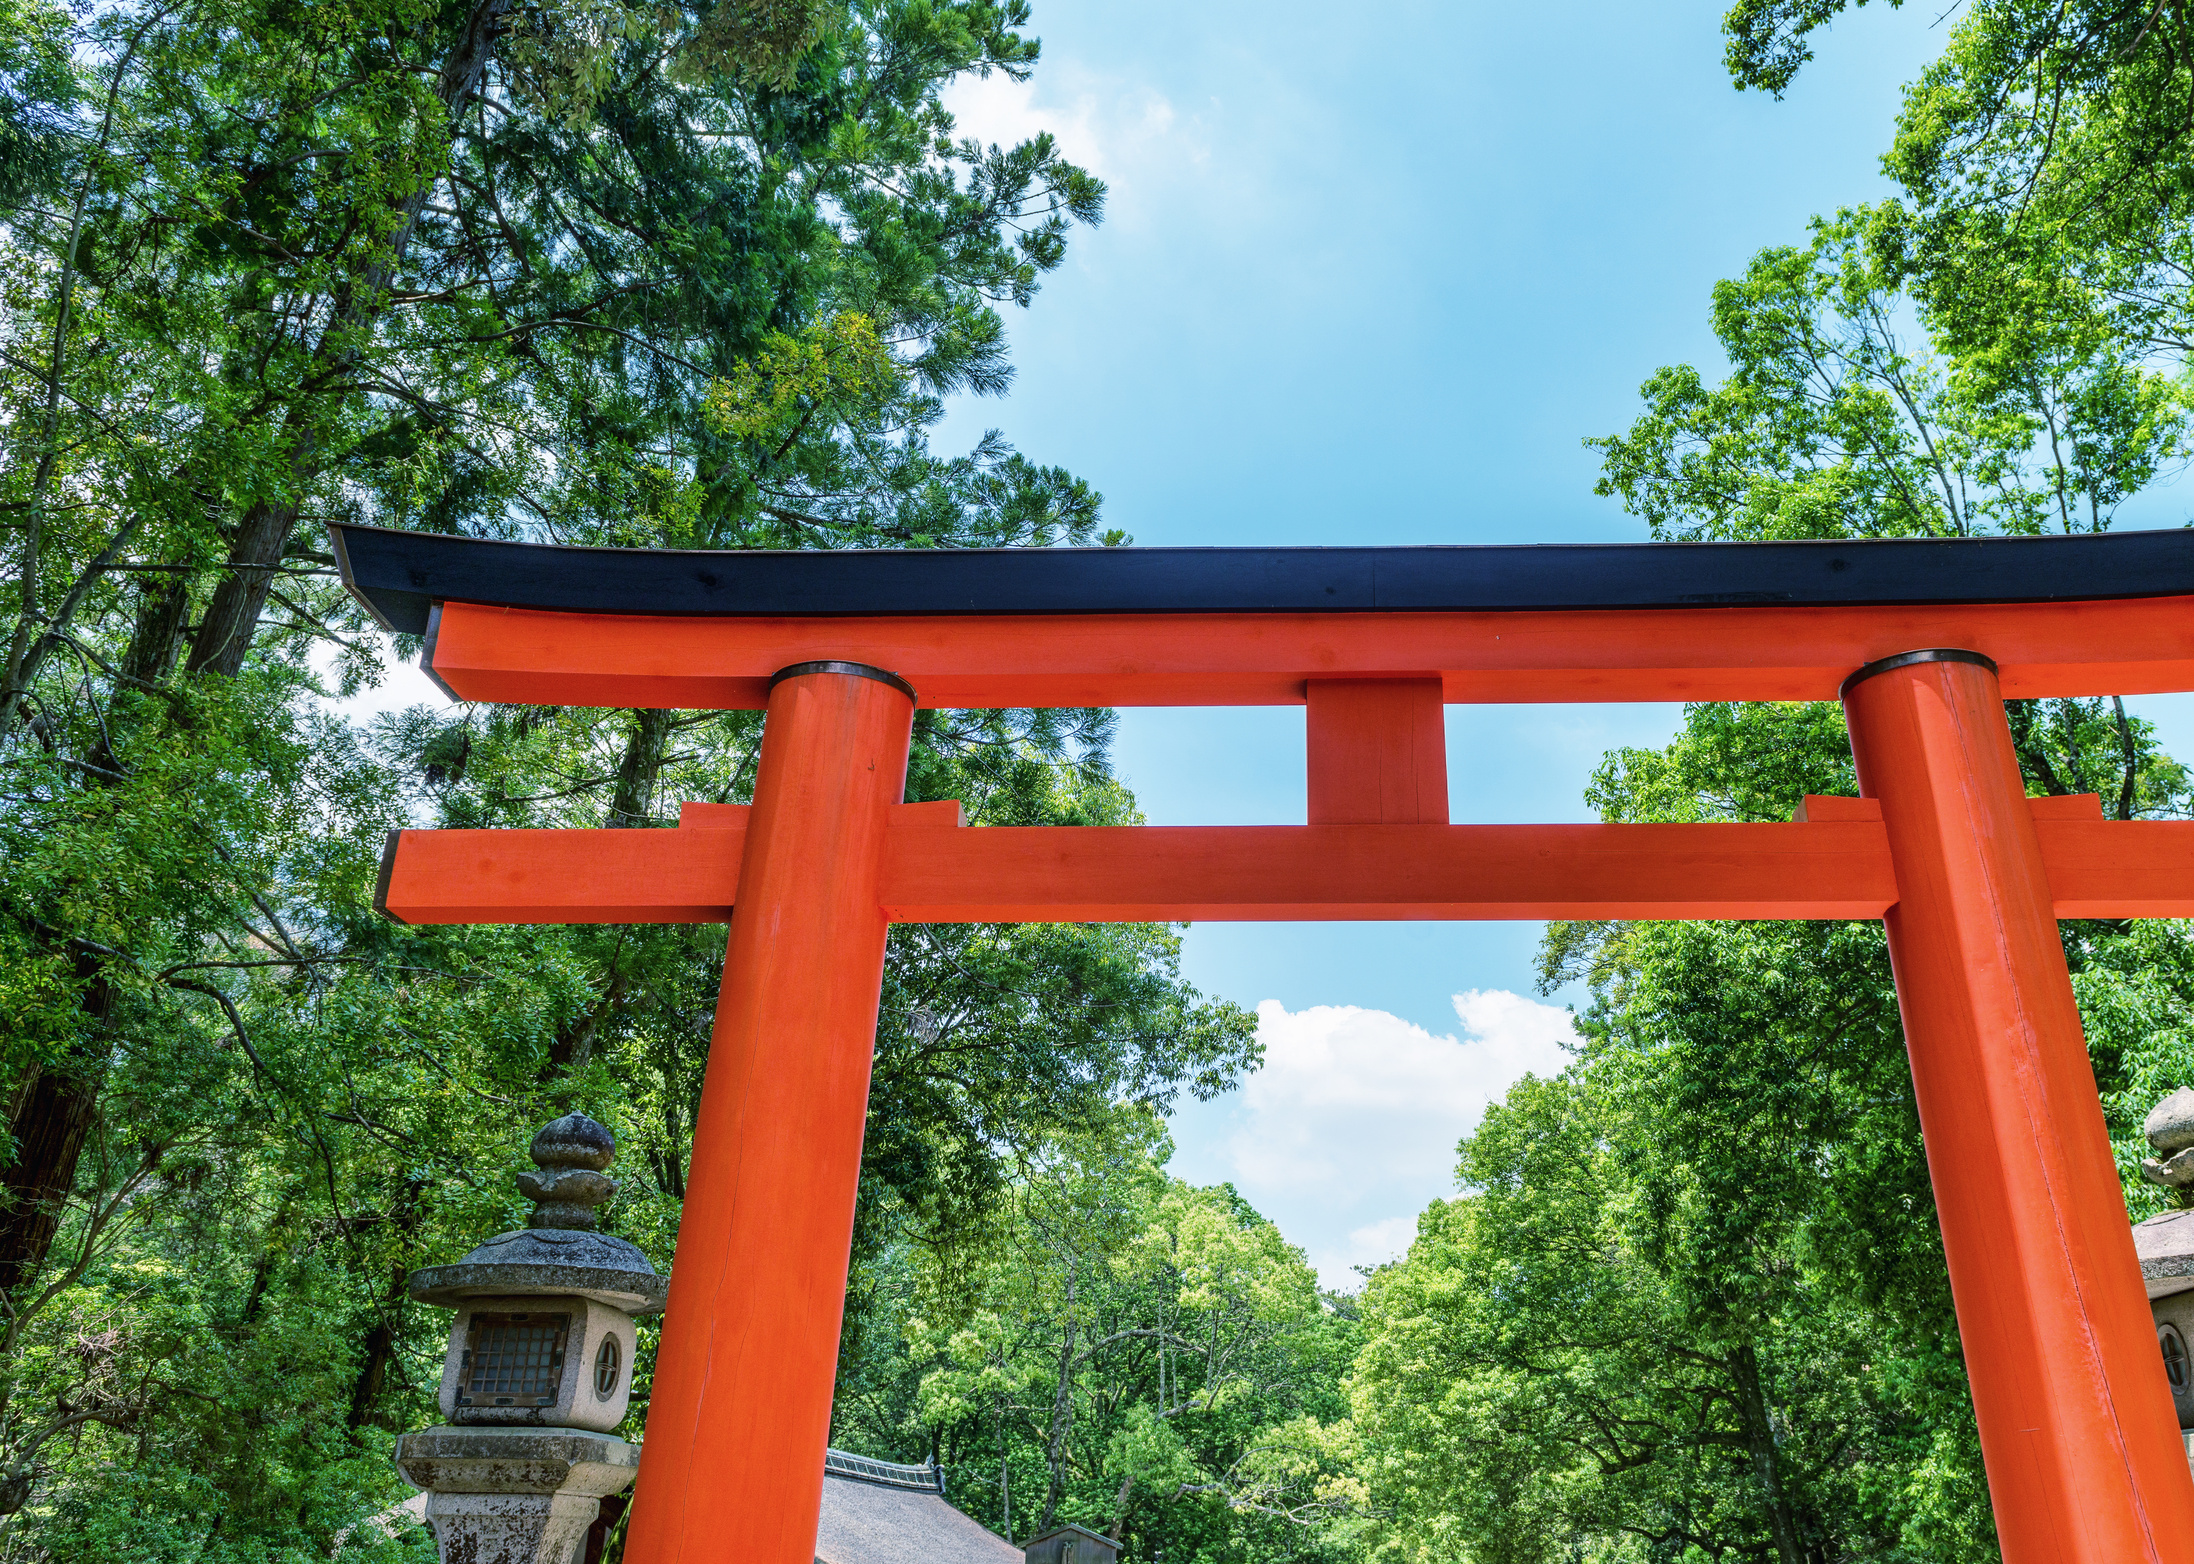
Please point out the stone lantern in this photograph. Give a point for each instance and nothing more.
(2165, 1244)
(539, 1368)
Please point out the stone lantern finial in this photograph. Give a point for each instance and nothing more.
(571, 1153)
(539, 1367)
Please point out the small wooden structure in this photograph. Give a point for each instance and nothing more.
(1071, 1544)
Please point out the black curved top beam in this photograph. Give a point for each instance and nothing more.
(399, 576)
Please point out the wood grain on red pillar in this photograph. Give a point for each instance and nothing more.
(1377, 751)
(2076, 1421)
(739, 1416)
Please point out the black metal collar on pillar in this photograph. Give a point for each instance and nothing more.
(1932, 654)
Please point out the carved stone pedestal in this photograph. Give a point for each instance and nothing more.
(514, 1495)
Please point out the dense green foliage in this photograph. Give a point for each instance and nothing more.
(1692, 1302)
(1693, 1296)
(1125, 1351)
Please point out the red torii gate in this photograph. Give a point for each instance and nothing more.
(1922, 640)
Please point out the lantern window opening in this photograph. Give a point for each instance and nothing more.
(513, 1359)
(2178, 1364)
(608, 1369)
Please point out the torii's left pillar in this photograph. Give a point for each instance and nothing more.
(732, 1466)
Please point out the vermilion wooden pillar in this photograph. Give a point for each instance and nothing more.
(740, 1413)
(2076, 1422)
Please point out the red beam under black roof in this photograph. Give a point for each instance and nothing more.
(399, 576)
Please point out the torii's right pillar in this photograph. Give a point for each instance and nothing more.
(2076, 1420)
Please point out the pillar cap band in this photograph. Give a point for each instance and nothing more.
(1933, 654)
(855, 670)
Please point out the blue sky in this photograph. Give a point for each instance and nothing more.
(1370, 276)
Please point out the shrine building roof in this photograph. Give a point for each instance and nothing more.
(880, 1512)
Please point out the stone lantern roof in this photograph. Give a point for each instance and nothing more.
(2165, 1242)
(558, 1251)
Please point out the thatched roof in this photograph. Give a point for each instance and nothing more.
(871, 1522)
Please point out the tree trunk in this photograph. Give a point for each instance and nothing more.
(1062, 1417)
(380, 1343)
(270, 1256)
(163, 610)
(53, 1113)
(163, 613)
(224, 635)
(262, 536)
(56, 1104)
(670, 1167)
(1760, 1439)
(1117, 1531)
(52, 1118)
(638, 772)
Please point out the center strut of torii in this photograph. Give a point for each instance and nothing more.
(1922, 640)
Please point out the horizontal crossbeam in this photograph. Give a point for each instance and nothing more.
(1832, 864)
(532, 656)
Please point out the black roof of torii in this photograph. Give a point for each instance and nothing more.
(399, 576)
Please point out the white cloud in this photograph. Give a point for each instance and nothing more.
(1127, 134)
(1347, 1094)
(1374, 1243)
(1349, 1129)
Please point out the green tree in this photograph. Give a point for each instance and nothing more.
(2045, 160)
(1692, 1296)
(683, 276)
(1847, 413)
(1122, 1350)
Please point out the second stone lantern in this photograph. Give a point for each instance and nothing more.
(2165, 1244)
(539, 1367)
